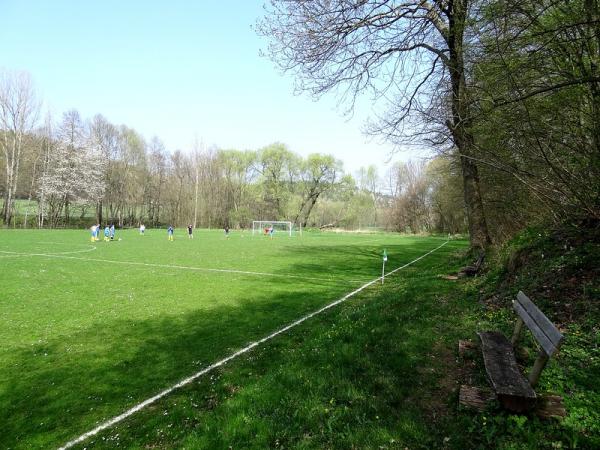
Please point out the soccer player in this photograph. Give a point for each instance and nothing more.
(190, 232)
(112, 231)
(106, 233)
(271, 231)
(226, 231)
(142, 229)
(170, 232)
(93, 229)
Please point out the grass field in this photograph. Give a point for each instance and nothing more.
(90, 329)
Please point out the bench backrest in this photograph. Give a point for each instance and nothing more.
(544, 331)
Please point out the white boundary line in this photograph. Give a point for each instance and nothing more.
(58, 254)
(172, 266)
(109, 423)
(16, 255)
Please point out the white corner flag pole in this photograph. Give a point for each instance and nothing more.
(383, 267)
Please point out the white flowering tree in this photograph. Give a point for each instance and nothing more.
(74, 171)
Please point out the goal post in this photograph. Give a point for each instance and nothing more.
(259, 226)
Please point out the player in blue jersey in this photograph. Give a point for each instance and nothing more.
(170, 232)
(106, 233)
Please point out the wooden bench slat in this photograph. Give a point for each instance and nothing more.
(539, 335)
(503, 372)
(532, 317)
(542, 322)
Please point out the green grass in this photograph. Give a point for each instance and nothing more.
(86, 335)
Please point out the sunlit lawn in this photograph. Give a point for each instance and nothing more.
(90, 329)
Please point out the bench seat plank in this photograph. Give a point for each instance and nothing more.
(511, 387)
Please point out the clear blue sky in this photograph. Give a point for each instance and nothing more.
(175, 69)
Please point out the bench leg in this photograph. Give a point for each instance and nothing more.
(517, 331)
(538, 366)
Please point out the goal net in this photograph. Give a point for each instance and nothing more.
(264, 226)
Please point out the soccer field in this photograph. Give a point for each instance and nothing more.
(91, 329)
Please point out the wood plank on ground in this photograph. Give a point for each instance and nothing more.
(475, 397)
(466, 347)
(550, 405)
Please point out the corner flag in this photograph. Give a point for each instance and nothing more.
(383, 266)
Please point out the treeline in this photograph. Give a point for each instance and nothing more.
(72, 172)
(508, 91)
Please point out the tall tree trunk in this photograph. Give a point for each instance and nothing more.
(7, 207)
(67, 213)
(592, 12)
(19, 143)
(313, 200)
(196, 198)
(99, 212)
(302, 205)
(12, 155)
(460, 125)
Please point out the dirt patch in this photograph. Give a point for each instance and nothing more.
(444, 376)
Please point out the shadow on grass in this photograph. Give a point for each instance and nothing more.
(358, 262)
(372, 374)
(55, 391)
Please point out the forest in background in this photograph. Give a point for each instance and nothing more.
(506, 93)
(73, 172)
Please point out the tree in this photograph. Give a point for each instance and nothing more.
(71, 173)
(445, 192)
(103, 141)
(415, 47)
(18, 115)
(411, 209)
(279, 168)
(238, 172)
(319, 174)
(156, 179)
(538, 109)
(368, 183)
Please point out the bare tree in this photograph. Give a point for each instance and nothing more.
(103, 142)
(18, 115)
(157, 174)
(410, 51)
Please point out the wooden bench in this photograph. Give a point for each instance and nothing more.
(470, 271)
(513, 390)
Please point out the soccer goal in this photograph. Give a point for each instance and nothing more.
(262, 226)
